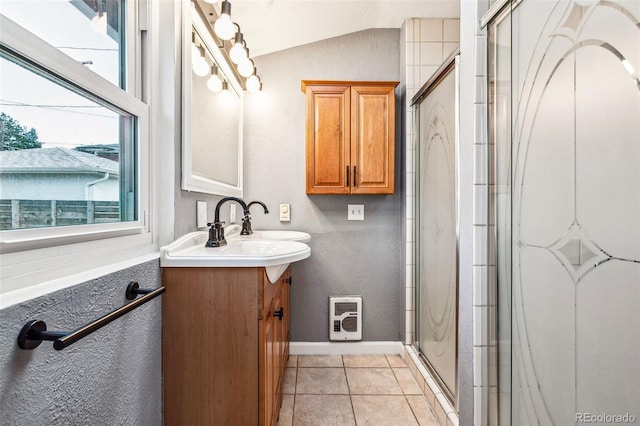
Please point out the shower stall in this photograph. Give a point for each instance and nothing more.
(564, 141)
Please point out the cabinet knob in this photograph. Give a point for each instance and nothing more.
(279, 314)
(288, 280)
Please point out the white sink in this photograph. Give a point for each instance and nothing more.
(233, 231)
(274, 255)
(302, 237)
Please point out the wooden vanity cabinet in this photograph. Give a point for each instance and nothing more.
(225, 345)
(350, 136)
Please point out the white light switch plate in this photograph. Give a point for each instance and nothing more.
(356, 212)
(285, 213)
(201, 214)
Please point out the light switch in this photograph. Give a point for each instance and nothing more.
(201, 214)
(356, 212)
(285, 213)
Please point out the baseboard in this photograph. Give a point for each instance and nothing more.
(346, 348)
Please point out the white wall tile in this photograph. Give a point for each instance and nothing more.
(481, 55)
(480, 89)
(480, 285)
(452, 30)
(481, 164)
(480, 325)
(480, 123)
(448, 49)
(431, 53)
(409, 223)
(409, 298)
(480, 203)
(431, 30)
(480, 245)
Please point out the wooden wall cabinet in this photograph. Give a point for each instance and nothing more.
(225, 346)
(350, 136)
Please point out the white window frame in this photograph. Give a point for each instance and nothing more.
(36, 261)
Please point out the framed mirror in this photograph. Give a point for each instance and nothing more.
(211, 112)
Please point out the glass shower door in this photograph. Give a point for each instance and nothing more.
(565, 141)
(437, 227)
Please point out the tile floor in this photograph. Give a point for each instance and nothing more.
(345, 390)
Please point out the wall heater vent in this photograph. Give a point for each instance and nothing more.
(345, 318)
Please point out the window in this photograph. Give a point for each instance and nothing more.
(74, 158)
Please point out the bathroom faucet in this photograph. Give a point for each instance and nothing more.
(246, 220)
(216, 232)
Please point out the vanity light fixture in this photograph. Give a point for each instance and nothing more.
(223, 27)
(214, 83)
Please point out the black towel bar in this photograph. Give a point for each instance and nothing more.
(34, 332)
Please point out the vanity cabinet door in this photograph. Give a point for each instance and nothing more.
(267, 370)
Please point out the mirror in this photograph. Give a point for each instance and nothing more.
(211, 121)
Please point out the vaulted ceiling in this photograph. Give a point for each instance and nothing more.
(272, 25)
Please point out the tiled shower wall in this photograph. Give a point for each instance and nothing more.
(427, 43)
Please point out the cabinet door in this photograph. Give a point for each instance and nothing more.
(372, 139)
(327, 139)
(269, 385)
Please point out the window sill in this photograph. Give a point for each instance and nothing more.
(29, 274)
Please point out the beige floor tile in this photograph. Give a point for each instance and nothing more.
(388, 410)
(396, 361)
(421, 410)
(320, 361)
(372, 381)
(326, 410)
(320, 380)
(407, 382)
(292, 361)
(286, 411)
(370, 361)
(289, 383)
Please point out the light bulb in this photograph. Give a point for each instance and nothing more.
(201, 67)
(245, 67)
(224, 28)
(253, 83)
(237, 53)
(214, 83)
(211, 1)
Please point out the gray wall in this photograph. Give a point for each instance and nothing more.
(347, 257)
(111, 377)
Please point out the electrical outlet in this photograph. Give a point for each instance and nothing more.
(285, 213)
(355, 212)
(201, 214)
